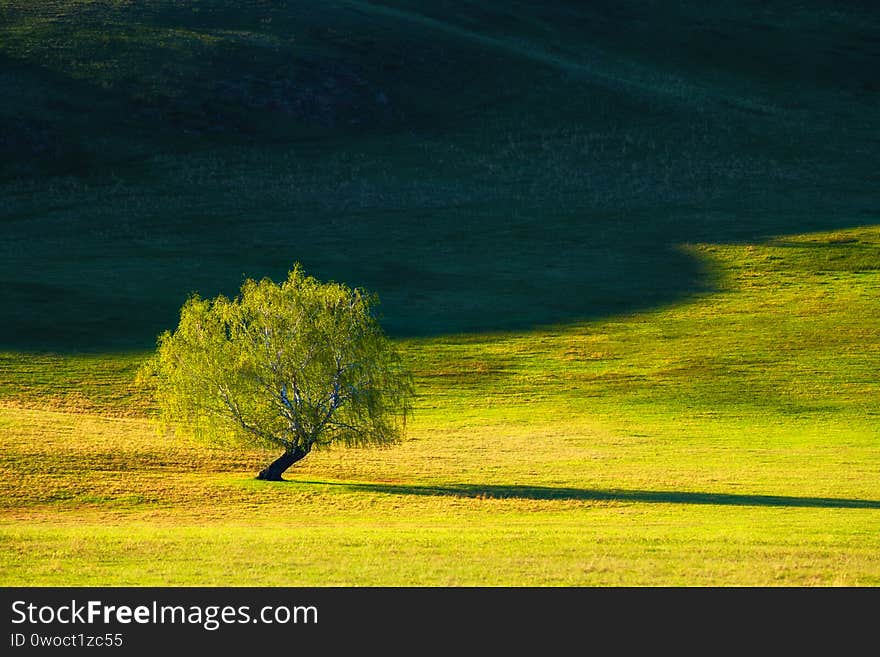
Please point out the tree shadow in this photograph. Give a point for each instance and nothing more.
(523, 492)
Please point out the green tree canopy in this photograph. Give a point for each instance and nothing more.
(293, 366)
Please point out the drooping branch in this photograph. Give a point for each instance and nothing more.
(238, 416)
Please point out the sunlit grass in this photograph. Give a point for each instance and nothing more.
(729, 439)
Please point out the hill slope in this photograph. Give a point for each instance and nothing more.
(480, 165)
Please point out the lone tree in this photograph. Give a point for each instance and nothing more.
(293, 366)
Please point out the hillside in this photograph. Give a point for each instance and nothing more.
(480, 165)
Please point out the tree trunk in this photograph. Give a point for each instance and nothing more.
(276, 468)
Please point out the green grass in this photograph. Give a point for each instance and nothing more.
(631, 250)
(728, 440)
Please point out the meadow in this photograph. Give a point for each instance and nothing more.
(637, 277)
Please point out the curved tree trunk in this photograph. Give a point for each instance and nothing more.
(276, 468)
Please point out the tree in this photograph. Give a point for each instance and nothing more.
(295, 366)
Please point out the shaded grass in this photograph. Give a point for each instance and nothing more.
(541, 165)
(663, 497)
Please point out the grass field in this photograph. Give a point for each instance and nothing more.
(635, 266)
(731, 439)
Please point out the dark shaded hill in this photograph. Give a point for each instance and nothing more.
(482, 165)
